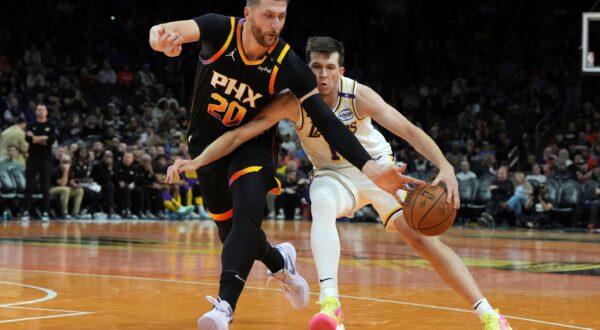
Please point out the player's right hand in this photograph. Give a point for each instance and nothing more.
(156, 32)
(168, 42)
(390, 178)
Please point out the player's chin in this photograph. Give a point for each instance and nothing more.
(270, 39)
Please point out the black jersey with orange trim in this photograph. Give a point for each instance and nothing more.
(229, 89)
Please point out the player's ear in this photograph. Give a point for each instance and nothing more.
(342, 70)
(247, 11)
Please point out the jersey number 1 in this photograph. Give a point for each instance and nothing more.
(229, 113)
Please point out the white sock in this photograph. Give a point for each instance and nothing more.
(481, 307)
(329, 199)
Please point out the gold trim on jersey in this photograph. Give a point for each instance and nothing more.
(284, 52)
(224, 48)
(353, 101)
(391, 214)
(302, 118)
(339, 98)
(241, 48)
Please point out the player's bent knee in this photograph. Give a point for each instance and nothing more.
(415, 240)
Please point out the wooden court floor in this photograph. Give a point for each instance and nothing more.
(154, 275)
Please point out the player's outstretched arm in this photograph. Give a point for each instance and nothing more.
(282, 107)
(168, 37)
(369, 103)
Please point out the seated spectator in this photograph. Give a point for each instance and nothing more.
(523, 190)
(488, 165)
(11, 159)
(535, 212)
(81, 170)
(465, 172)
(103, 173)
(107, 75)
(153, 206)
(58, 154)
(497, 208)
(127, 191)
(562, 173)
(92, 129)
(454, 156)
(66, 188)
(173, 202)
(15, 136)
(583, 173)
(292, 189)
(536, 175)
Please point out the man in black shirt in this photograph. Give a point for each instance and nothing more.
(243, 65)
(127, 191)
(41, 136)
(104, 174)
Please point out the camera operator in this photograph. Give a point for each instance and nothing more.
(537, 207)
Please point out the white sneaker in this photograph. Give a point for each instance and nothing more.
(219, 318)
(25, 216)
(291, 282)
(45, 217)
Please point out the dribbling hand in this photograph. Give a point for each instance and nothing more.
(448, 177)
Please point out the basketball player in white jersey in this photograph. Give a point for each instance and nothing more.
(338, 189)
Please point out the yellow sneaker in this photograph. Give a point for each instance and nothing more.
(330, 317)
(494, 321)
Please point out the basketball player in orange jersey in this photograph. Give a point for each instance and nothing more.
(242, 66)
(338, 189)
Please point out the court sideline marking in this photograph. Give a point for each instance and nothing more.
(397, 302)
(50, 294)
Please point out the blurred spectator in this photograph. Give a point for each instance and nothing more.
(523, 190)
(454, 156)
(537, 208)
(125, 77)
(292, 189)
(465, 172)
(288, 144)
(152, 186)
(11, 159)
(66, 188)
(562, 173)
(15, 136)
(536, 175)
(58, 154)
(128, 192)
(103, 173)
(497, 210)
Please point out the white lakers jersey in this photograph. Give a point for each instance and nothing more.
(320, 152)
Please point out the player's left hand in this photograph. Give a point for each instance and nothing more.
(448, 177)
(174, 170)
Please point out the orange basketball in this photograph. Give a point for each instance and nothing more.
(427, 211)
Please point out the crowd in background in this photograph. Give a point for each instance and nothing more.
(478, 86)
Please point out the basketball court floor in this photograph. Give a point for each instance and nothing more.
(154, 275)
